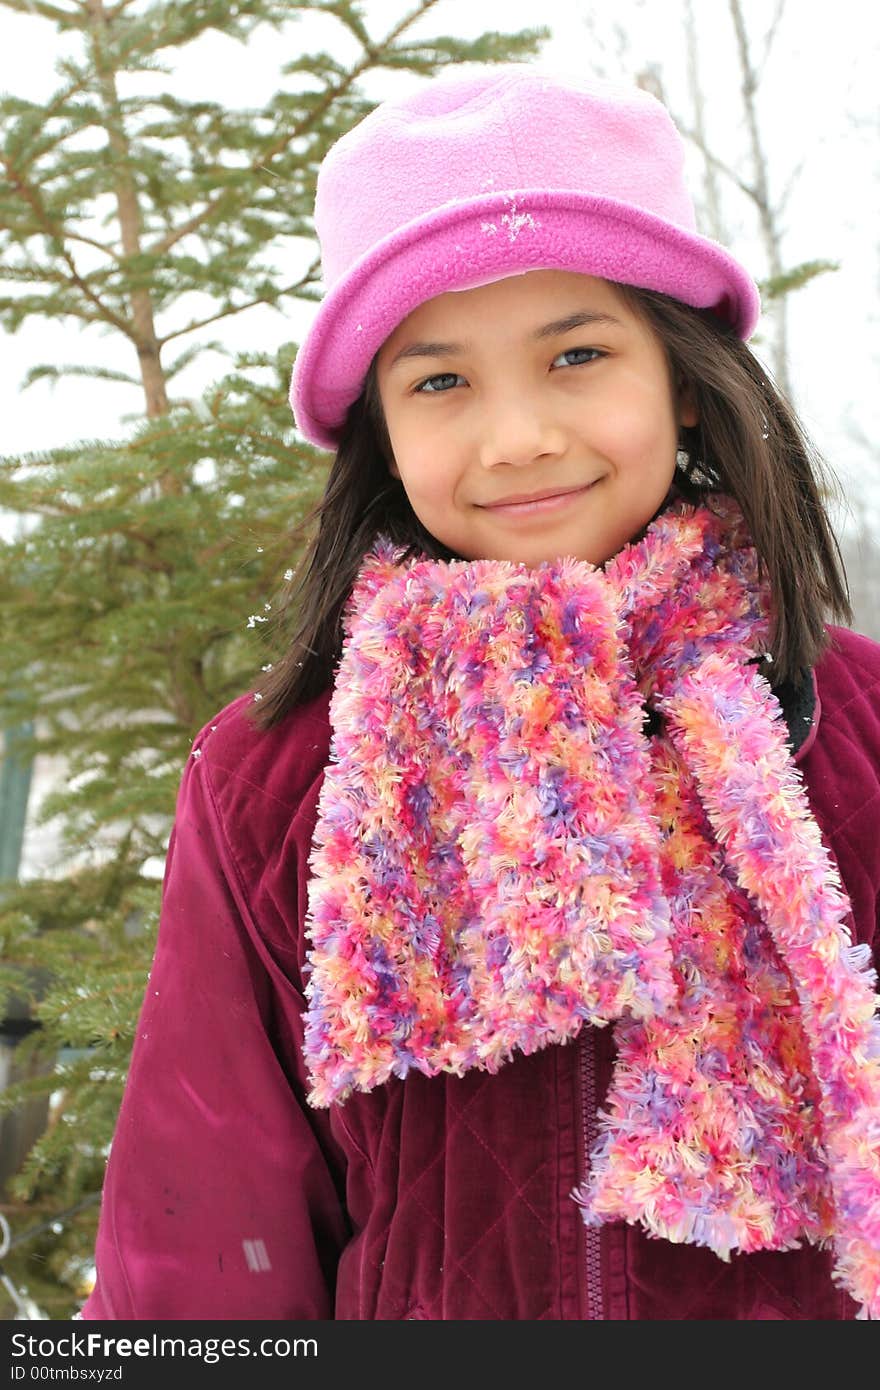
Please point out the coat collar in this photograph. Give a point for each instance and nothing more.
(801, 710)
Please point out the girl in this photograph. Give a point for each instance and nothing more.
(515, 951)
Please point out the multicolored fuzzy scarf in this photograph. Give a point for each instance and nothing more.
(503, 854)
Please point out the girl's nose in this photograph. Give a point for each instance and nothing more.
(516, 429)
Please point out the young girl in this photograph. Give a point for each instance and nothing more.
(515, 957)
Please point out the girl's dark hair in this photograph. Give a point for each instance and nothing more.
(748, 443)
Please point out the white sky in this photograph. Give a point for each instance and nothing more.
(818, 106)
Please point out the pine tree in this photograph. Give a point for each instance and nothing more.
(134, 603)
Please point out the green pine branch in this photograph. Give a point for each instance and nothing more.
(777, 286)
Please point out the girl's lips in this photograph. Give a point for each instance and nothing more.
(539, 504)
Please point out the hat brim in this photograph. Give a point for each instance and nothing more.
(479, 240)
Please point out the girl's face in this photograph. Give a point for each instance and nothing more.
(532, 418)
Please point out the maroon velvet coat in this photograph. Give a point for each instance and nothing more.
(227, 1196)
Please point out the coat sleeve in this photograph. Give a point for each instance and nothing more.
(221, 1194)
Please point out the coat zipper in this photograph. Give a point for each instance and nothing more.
(592, 1236)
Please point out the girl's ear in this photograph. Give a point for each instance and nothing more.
(688, 414)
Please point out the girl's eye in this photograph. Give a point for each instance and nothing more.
(585, 354)
(430, 388)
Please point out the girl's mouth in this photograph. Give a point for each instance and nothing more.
(538, 502)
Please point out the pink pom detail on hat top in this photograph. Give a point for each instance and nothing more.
(483, 174)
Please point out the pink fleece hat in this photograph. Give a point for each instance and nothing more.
(487, 173)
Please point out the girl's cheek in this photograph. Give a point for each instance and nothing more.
(423, 477)
(642, 431)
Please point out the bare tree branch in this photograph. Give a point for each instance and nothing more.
(760, 192)
(713, 159)
(710, 167)
(782, 200)
(771, 38)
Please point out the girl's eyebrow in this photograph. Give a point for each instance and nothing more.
(547, 330)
